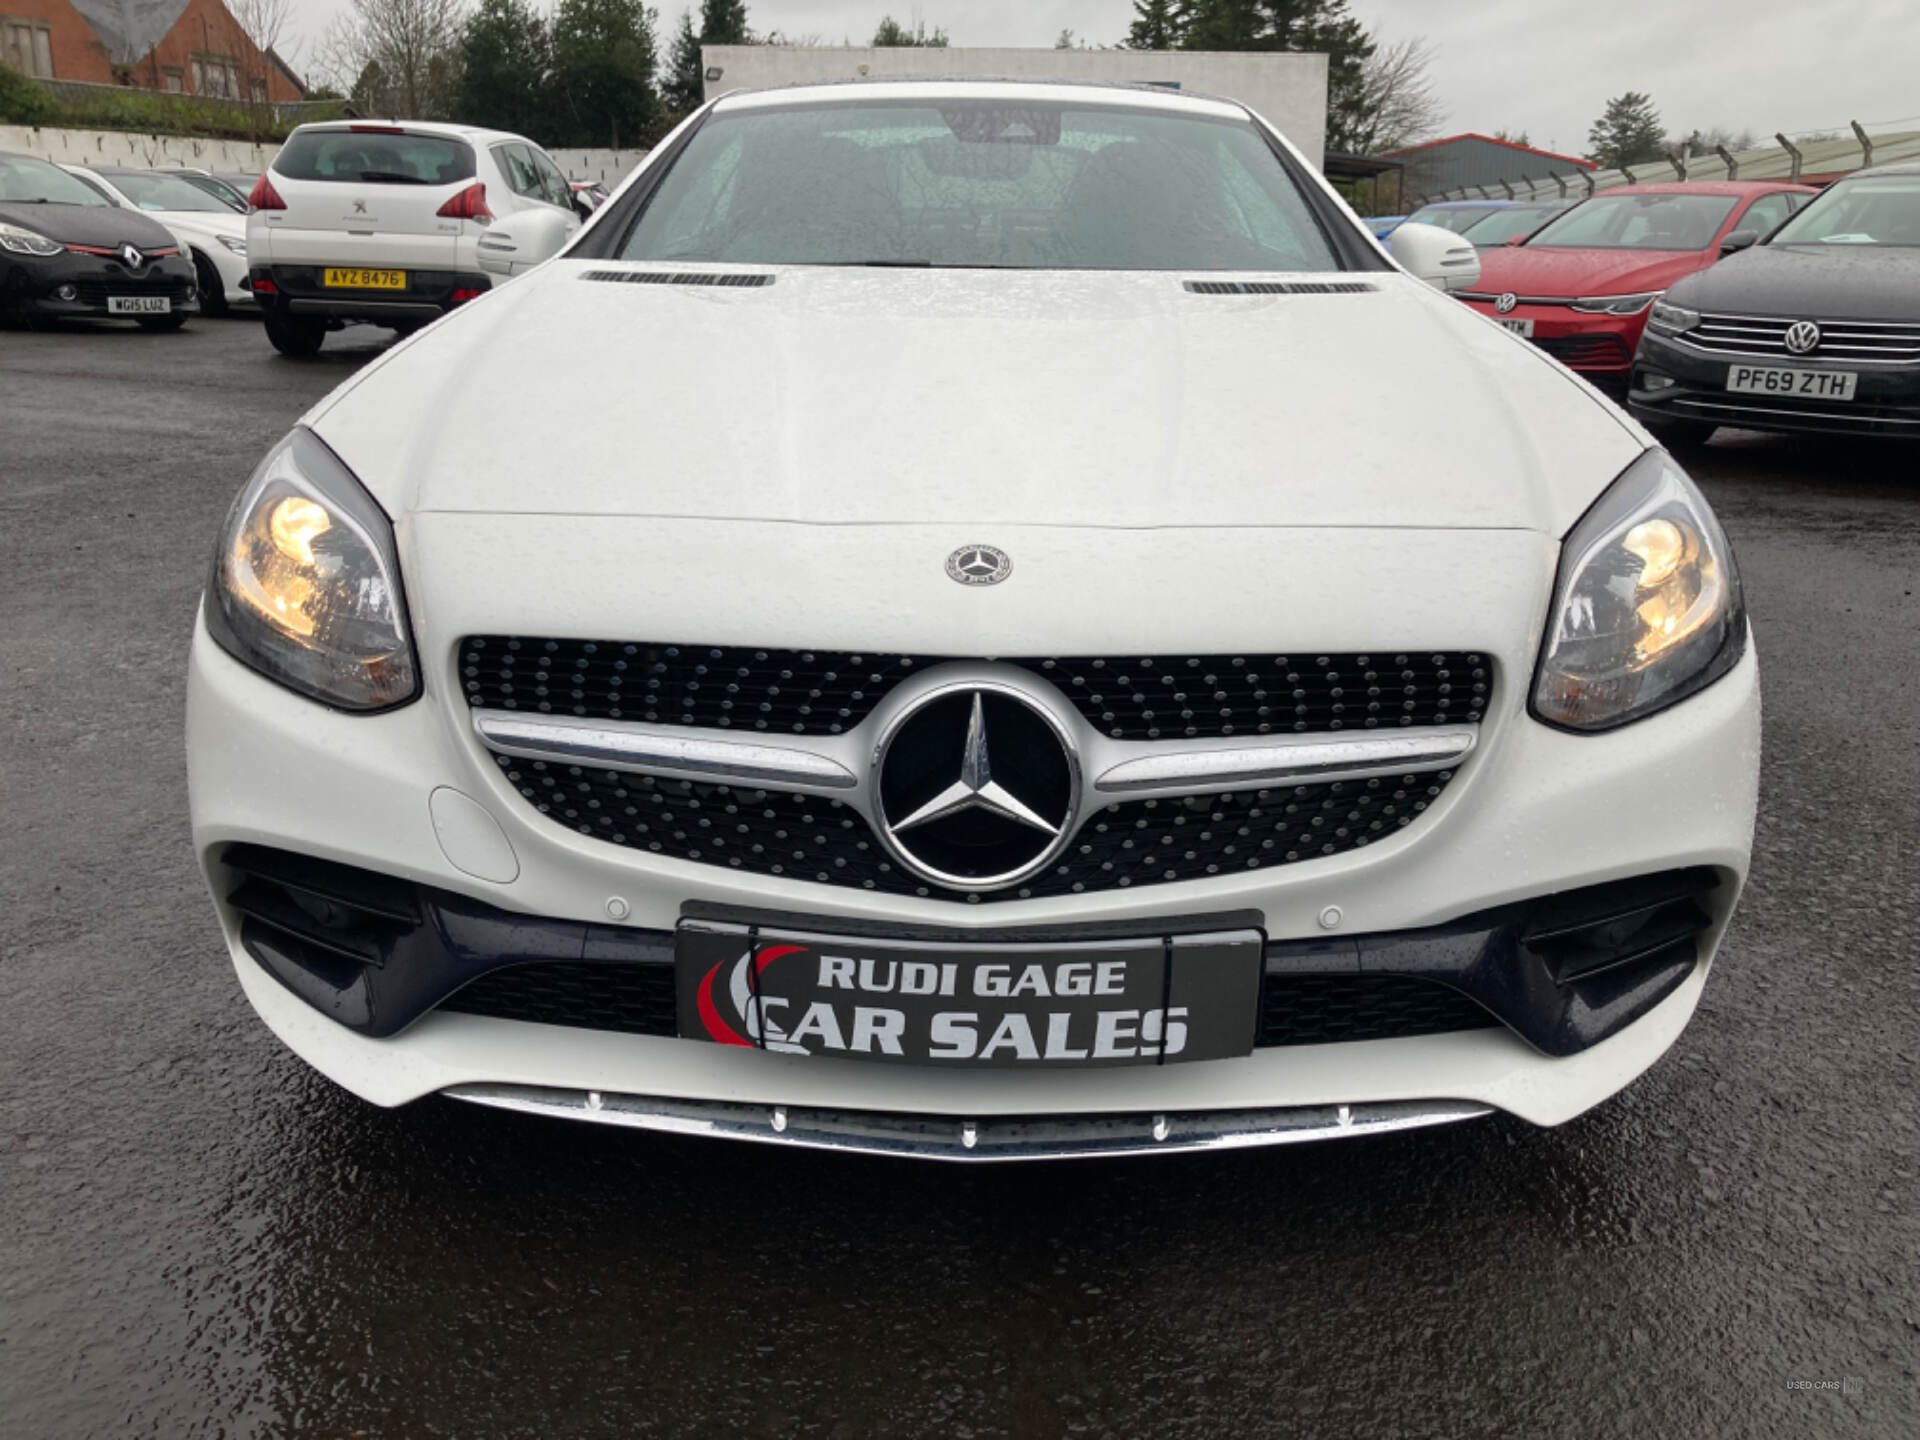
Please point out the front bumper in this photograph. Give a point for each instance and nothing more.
(31, 285)
(1600, 347)
(1676, 381)
(1536, 812)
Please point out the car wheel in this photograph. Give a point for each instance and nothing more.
(298, 336)
(160, 322)
(1680, 434)
(213, 294)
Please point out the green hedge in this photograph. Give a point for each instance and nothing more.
(145, 112)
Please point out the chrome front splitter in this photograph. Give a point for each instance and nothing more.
(993, 1138)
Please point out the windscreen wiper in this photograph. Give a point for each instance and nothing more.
(391, 177)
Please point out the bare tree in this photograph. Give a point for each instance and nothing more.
(395, 56)
(1399, 104)
(262, 23)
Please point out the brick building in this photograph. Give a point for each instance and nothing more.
(192, 47)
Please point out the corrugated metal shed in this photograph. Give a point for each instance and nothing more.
(1475, 160)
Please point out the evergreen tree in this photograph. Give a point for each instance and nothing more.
(505, 54)
(682, 88)
(1629, 133)
(724, 22)
(1315, 26)
(1157, 25)
(603, 67)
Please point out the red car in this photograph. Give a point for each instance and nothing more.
(1581, 287)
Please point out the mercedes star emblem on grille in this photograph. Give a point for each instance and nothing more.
(130, 256)
(979, 565)
(1803, 338)
(1506, 303)
(977, 786)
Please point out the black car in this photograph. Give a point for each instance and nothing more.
(1816, 327)
(65, 250)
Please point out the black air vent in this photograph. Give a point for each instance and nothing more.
(1280, 287)
(679, 277)
(1648, 923)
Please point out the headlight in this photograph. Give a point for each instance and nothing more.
(22, 241)
(306, 587)
(238, 247)
(1614, 304)
(1669, 319)
(1646, 608)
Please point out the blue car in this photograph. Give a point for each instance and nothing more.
(1384, 225)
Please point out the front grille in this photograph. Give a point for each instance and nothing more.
(95, 292)
(1885, 342)
(1586, 351)
(630, 999)
(825, 692)
(1138, 842)
(1328, 1009)
(1294, 1010)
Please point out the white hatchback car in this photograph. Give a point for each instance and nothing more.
(1045, 641)
(211, 232)
(379, 222)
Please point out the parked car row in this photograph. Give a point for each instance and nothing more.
(353, 223)
(68, 249)
(1766, 305)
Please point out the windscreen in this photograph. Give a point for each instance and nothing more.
(375, 157)
(1639, 222)
(166, 192)
(980, 184)
(24, 181)
(1458, 219)
(1500, 226)
(1873, 210)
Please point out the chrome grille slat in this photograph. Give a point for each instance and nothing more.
(1890, 342)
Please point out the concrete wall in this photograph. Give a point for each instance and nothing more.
(1289, 90)
(114, 147)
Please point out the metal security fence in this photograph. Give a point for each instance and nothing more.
(1809, 159)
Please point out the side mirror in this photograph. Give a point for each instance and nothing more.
(1516, 239)
(1435, 255)
(524, 239)
(582, 208)
(1739, 240)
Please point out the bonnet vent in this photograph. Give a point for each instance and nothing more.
(1280, 287)
(679, 277)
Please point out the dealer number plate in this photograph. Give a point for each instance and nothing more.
(352, 279)
(1522, 328)
(139, 305)
(1800, 384)
(1037, 1005)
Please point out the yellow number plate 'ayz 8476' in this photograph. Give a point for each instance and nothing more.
(354, 279)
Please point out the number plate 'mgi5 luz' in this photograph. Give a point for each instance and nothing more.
(1050, 1005)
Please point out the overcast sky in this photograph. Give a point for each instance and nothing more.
(1546, 67)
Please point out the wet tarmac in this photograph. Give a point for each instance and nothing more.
(200, 1237)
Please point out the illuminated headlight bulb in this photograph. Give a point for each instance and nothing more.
(296, 523)
(1659, 544)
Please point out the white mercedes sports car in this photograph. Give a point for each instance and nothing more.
(983, 621)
